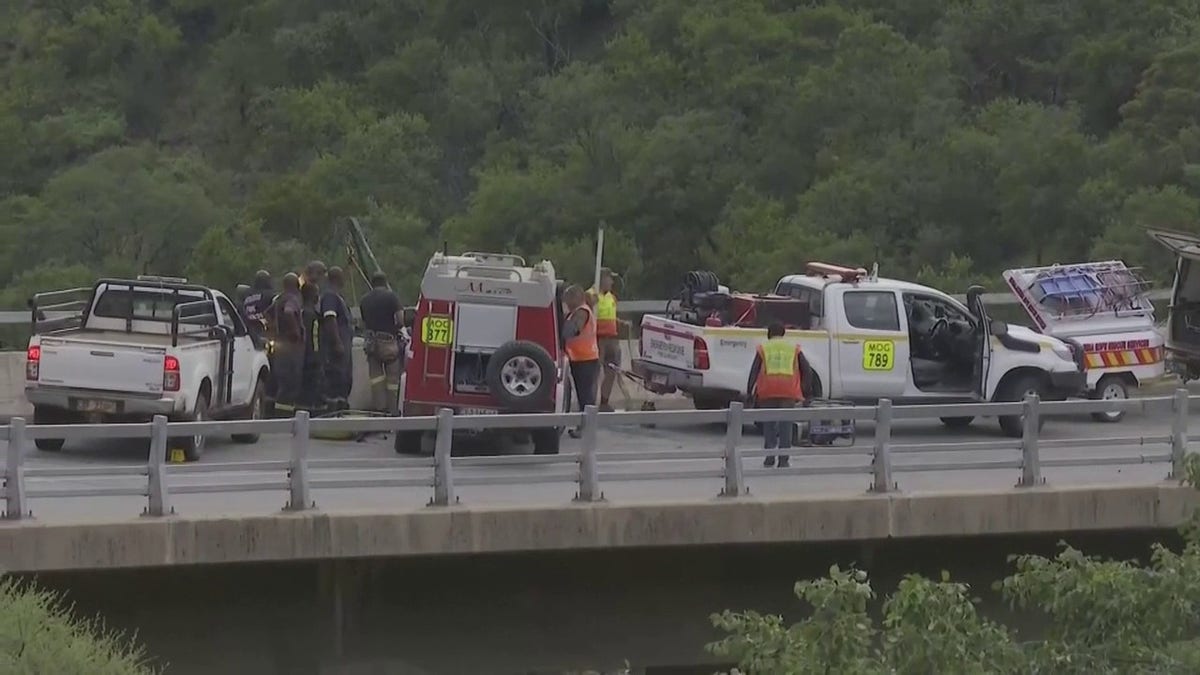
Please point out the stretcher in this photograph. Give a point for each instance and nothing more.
(345, 435)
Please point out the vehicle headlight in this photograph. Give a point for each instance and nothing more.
(1064, 352)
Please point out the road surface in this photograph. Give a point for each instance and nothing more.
(617, 444)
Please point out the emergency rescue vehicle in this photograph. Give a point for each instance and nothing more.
(485, 339)
(1106, 308)
(866, 338)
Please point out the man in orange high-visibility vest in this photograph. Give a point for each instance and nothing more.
(604, 301)
(776, 381)
(579, 339)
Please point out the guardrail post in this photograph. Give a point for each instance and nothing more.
(159, 493)
(735, 481)
(443, 475)
(589, 489)
(881, 460)
(1031, 463)
(14, 480)
(1179, 434)
(300, 498)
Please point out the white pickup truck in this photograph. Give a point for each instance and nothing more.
(126, 350)
(866, 338)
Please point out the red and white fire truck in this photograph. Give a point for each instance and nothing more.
(486, 340)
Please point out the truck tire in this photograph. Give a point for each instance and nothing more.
(1015, 389)
(193, 446)
(521, 376)
(957, 422)
(256, 411)
(43, 416)
(1111, 387)
(546, 440)
(409, 442)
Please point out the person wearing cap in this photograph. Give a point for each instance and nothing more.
(604, 302)
(313, 370)
(337, 335)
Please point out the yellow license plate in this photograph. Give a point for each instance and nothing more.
(437, 331)
(879, 355)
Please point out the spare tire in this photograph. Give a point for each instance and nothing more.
(521, 375)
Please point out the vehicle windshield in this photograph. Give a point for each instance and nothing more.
(142, 303)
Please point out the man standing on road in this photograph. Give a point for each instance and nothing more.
(287, 329)
(579, 338)
(607, 330)
(382, 315)
(313, 378)
(776, 378)
(337, 336)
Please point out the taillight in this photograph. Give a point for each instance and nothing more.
(33, 361)
(699, 354)
(170, 374)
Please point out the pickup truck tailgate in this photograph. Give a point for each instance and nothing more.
(669, 343)
(102, 366)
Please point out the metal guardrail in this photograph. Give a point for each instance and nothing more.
(624, 307)
(299, 475)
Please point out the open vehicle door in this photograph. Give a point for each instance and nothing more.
(984, 335)
(1183, 319)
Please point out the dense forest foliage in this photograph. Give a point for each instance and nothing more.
(946, 140)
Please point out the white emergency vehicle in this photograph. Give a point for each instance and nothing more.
(866, 338)
(1105, 307)
(129, 349)
(1183, 320)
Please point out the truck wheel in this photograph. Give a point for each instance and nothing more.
(409, 442)
(546, 440)
(193, 446)
(1017, 389)
(521, 375)
(256, 411)
(49, 444)
(710, 402)
(1111, 388)
(957, 422)
(43, 416)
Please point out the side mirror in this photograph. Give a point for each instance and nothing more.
(410, 317)
(998, 327)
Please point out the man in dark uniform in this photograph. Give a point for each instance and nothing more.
(257, 302)
(382, 315)
(286, 328)
(337, 336)
(313, 377)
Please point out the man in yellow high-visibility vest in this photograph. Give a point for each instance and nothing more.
(607, 325)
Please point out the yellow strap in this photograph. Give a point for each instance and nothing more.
(393, 387)
(284, 406)
(377, 380)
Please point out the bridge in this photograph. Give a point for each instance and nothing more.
(635, 480)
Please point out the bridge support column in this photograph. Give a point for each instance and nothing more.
(342, 596)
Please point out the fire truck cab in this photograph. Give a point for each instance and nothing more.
(485, 340)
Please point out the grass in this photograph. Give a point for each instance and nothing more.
(39, 636)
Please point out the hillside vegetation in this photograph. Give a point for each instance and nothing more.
(946, 139)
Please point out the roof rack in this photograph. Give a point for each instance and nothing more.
(1083, 290)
